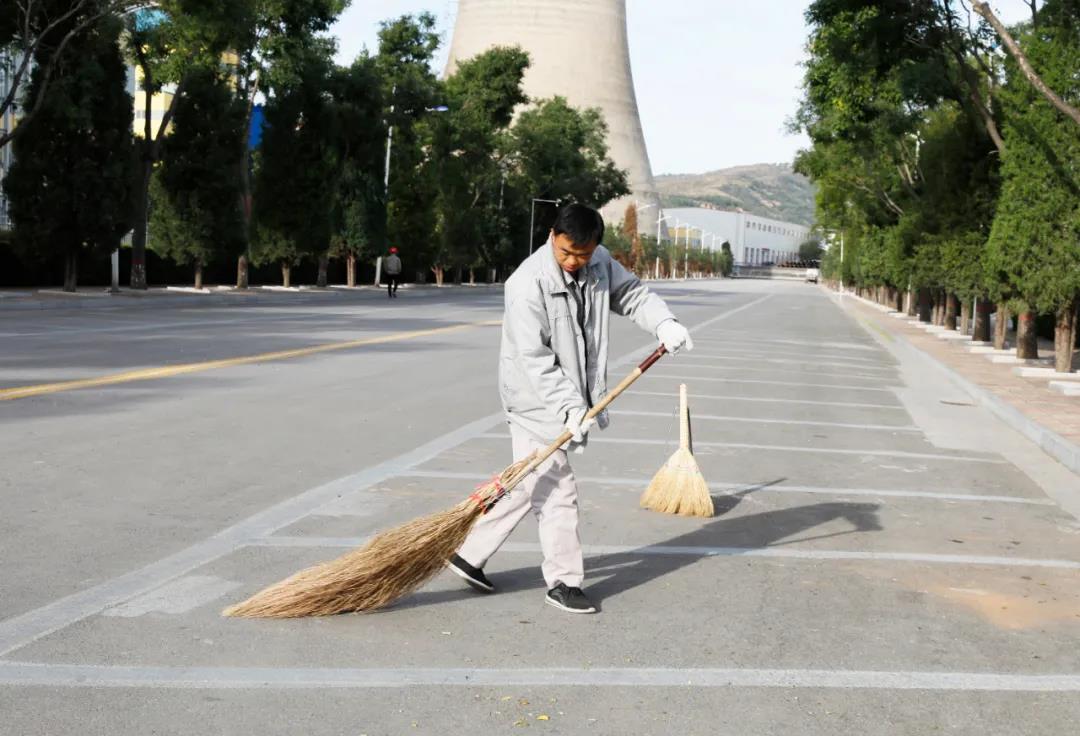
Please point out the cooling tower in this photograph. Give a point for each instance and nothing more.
(579, 51)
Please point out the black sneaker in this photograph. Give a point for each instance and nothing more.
(474, 576)
(567, 599)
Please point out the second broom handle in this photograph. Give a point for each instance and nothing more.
(566, 436)
(684, 419)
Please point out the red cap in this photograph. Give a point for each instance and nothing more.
(393, 250)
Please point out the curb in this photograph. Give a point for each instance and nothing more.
(1053, 444)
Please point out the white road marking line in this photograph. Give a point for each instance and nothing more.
(801, 356)
(18, 631)
(179, 596)
(755, 370)
(702, 551)
(781, 448)
(805, 364)
(743, 340)
(28, 674)
(640, 483)
(810, 402)
(754, 420)
(683, 377)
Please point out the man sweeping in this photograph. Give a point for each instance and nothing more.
(552, 369)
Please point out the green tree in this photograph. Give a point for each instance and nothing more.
(481, 96)
(560, 153)
(359, 212)
(407, 46)
(1034, 246)
(169, 44)
(70, 185)
(195, 218)
(272, 48)
(35, 34)
(727, 260)
(810, 250)
(298, 165)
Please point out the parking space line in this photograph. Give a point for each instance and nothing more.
(769, 400)
(641, 483)
(29, 674)
(22, 629)
(783, 448)
(754, 370)
(802, 356)
(681, 377)
(778, 361)
(744, 340)
(703, 551)
(754, 420)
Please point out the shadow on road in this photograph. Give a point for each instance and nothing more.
(624, 571)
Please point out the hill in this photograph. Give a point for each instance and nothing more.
(767, 190)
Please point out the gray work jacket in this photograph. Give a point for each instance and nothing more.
(542, 362)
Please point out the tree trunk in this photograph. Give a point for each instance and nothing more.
(457, 275)
(1027, 340)
(71, 270)
(324, 264)
(951, 306)
(965, 316)
(910, 302)
(1001, 326)
(980, 331)
(242, 272)
(198, 275)
(138, 235)
(1065, 338)
(350, 270)
(926, 305)
(439, 272)
(286, 275)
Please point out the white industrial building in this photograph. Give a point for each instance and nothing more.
(754, 240)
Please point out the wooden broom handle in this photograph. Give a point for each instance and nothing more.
(566, 436)
(684, 419)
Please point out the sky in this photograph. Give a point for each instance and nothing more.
(716, 80)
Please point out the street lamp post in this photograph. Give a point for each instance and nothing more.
(660, 218)
(386, 169)
(532, 219)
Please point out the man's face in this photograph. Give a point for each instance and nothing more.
(570, 255)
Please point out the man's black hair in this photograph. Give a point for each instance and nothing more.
(581, 224)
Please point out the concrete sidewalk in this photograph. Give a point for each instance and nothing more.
(1028, 405)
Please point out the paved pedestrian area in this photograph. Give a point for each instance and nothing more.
(885, 558)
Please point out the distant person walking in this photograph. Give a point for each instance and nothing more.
(392, 268)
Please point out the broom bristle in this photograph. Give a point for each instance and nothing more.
(392, 564)
(679, 488)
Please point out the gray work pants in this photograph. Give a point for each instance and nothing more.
(551, 492)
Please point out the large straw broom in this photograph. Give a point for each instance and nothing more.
(400, 560)
(678, 487)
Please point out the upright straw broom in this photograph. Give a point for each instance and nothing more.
(678, 487)
(402, 559)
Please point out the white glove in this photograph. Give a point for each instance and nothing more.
(674, 336)
(578, 425)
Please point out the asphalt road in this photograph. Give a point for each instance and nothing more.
(886, 558)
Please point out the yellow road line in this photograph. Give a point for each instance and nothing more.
(148, 374)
